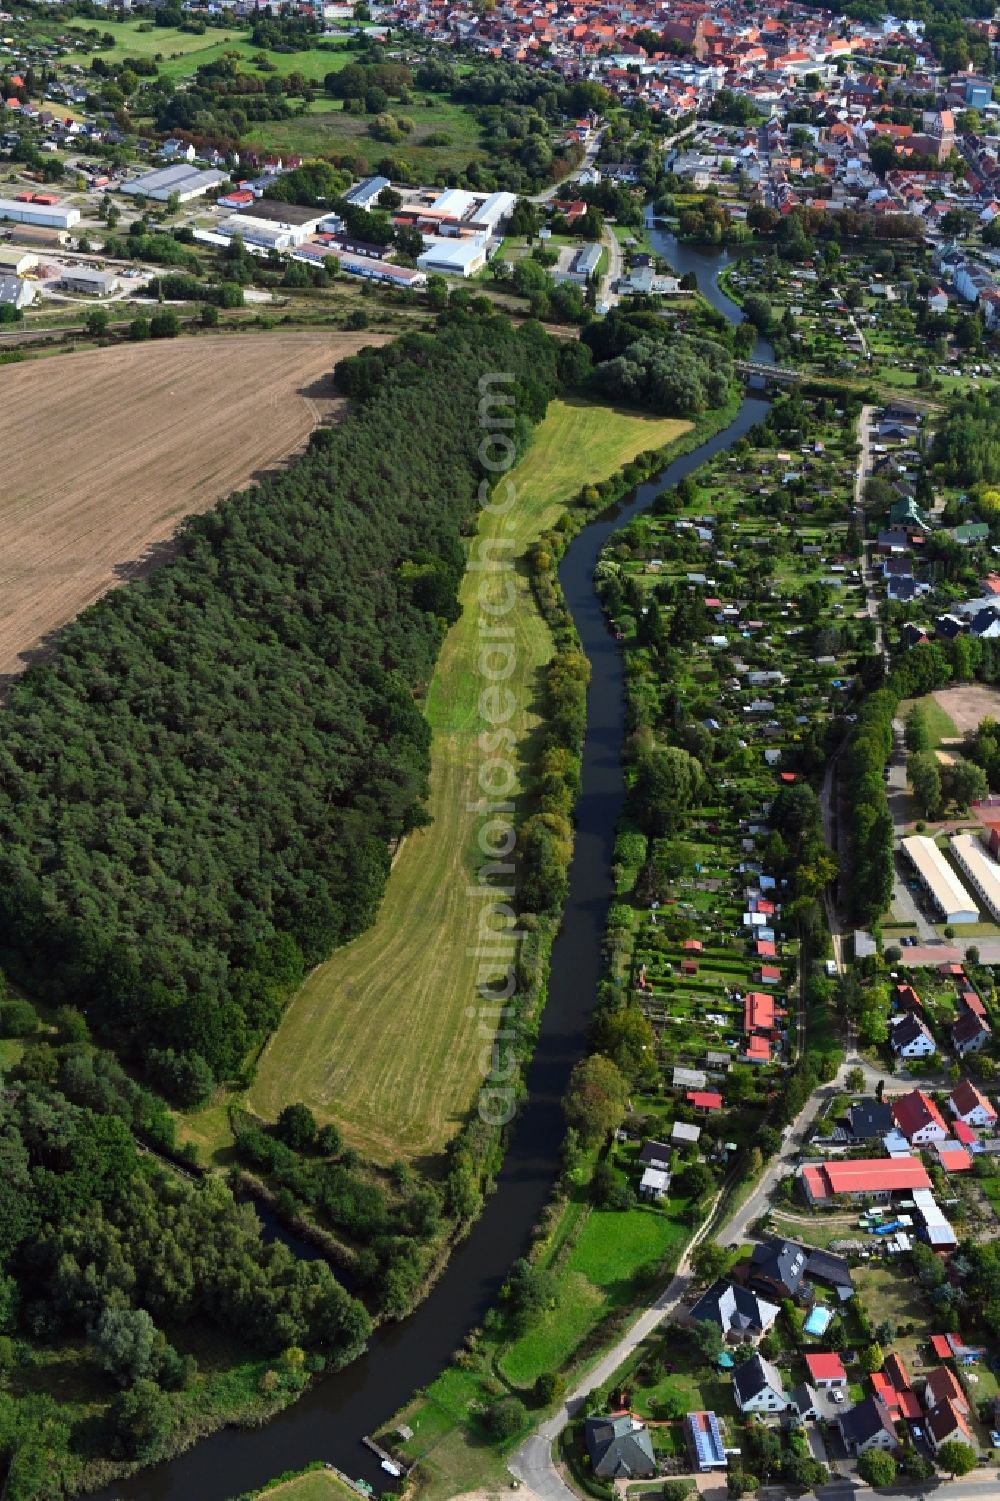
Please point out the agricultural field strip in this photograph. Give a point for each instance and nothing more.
(102, 464)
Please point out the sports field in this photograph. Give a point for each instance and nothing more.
(105, 451)
(378, 1038)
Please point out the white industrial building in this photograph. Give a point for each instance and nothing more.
(17, 262)
(262, 232)
(186, 181)
(48, 215)
(981, 869)
(455, 257)
(493, 211)
(365, 194)
(941, 883)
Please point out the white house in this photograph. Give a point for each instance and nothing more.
(757, 1386)
(970, 1105)
(909, 1038)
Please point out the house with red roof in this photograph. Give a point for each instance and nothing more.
(900, 1403)
(970, 1106)
(826, 1372)
(948, 1422)
(768, 974)
(954, 1159)
(919, 1119)
(863, 1177)
(942, 1385)
(907, 999)
(706, 1100)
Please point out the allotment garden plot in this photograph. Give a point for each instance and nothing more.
(742, 609)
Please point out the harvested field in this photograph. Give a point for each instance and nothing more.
(106, 451)
(966, 705)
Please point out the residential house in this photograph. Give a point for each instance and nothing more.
(909, 1037)
(942, 1385)
(738, 1312)
(947, 1422)
(969, 1033)
(776, 1268)
(620, 1447)
(757, 1386)
(969, 1105)
(868, 1426)
(866, 1119)
(919, 1119)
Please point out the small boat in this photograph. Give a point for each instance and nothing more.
(392, 1468)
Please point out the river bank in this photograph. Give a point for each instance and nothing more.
(330, 1420)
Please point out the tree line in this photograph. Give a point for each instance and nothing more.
(104, 1251)
(199, 790)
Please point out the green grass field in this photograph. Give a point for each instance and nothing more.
(325, 129)
(378, 1038)
(315, 1485)
(600, 1275)
(180, 53)
(939, 724)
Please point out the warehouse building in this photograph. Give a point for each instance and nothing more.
(876, 1178)
(365, 194)
(454, 257)
(586, 262)
(260, 233)
(43, 215)
(292, 216)
(17, 262)
(493, 212)
(186, 181)
(89, 281)
(949, 896)
(383, 271)
(981, 869)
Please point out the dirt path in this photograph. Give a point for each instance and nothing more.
(106, 451)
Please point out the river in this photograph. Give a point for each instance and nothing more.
(329, 1421)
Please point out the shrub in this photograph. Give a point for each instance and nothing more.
(17, 1019)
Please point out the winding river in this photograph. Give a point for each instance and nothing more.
(330, 1420)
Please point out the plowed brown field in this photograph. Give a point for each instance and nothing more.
(104, 452)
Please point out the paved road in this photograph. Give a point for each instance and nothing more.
(533, 1463)
(616, 267)
(559, 187)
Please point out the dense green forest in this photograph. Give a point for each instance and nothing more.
(967, 443)
(199, 791)
(111, 1266)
